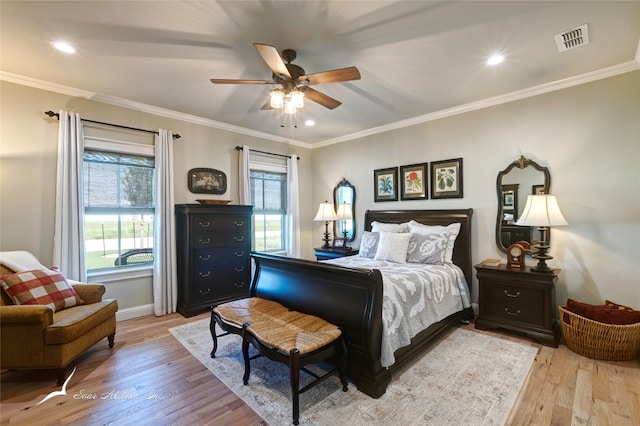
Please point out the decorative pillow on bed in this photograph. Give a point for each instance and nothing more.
(369, 244)
(389, 227)
(428, 249)
(451, 230)
(393, 246)
(40, 287)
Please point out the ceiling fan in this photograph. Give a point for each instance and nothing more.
(293, 80)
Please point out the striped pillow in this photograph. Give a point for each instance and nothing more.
(40, 287)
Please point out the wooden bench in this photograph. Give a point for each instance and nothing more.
(289, 337)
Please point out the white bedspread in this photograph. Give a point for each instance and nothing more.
(414, 297)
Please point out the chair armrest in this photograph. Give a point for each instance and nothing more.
(21, 314)
(90, 293)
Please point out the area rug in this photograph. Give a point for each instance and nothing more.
(466, 378)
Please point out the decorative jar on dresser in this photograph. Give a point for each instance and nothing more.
(519, 300)
(213, 244)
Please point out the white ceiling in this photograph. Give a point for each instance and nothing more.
(418, 59)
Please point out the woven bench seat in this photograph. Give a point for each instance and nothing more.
(293, 338)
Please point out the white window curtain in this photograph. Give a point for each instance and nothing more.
(293, 208)
(244, 186)
(68, 235)
(165, 287)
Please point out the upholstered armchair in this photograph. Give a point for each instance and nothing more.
(49, 335)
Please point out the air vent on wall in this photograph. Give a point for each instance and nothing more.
(573, 38)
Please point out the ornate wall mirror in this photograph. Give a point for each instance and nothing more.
(521, 178)
(344, 201)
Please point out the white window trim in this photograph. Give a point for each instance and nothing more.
(120, 274)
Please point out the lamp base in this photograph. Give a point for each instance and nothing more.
(542, 257)
(326, 238)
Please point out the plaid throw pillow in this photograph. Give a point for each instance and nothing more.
(40, 287)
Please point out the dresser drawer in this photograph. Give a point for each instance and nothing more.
(219, 239)
(513, 295)
(208, 258)
(207, 224)
(221, 284)
(511, 312)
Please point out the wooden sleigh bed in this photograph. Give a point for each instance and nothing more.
(352, 298)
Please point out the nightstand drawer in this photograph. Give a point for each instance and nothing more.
(514, 295)
(511, 312)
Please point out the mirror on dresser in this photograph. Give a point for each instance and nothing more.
(521, 178)
(344, 202)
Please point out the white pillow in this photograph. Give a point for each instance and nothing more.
(369, 244)
(453, 230)
(393, 246)
(389, 227)
(427, 249)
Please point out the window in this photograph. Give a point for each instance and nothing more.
(269, 199)
(119, 209)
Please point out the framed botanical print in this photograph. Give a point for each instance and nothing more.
(413, 181)
(446, 178)
(385, 184)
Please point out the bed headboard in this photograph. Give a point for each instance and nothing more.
(462, 247)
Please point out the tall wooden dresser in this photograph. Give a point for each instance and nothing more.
(213, 244)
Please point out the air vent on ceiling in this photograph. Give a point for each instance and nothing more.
(573, 38)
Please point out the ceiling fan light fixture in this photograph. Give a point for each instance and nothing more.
(289, 105)
(277, 98)
(297, 98)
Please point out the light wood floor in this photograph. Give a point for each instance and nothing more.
(150, 378)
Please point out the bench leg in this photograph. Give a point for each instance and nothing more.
(342, 363)
(294, 369)
(245, 354)
(212, 328)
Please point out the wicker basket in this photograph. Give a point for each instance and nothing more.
(599, 340)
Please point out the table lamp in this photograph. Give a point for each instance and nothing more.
(541, 211)
(326, 214)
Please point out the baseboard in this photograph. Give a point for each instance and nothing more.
(134, 312)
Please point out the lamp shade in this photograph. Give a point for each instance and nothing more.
(541, 210)
(325, 212)
(344, 211)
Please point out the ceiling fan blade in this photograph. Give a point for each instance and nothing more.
(320, 98)
(230, 81)
(333, 76)
(272, 58)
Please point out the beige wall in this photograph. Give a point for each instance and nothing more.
(588, 136)
(28, 149)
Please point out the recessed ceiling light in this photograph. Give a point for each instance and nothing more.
(495, 59)
(309, 123)
(63, 46)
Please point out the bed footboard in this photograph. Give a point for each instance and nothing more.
(349, 298)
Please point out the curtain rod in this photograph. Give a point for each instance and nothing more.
(57, 115)
(239, 148)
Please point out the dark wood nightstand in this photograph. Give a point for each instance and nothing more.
(518, 300)
(331, 253)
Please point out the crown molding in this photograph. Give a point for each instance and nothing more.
(496, 100)
(138, 106)
(449, 112)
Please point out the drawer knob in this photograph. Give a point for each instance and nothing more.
(239, 222)
(207, 291)
(515, 314)
(239, 239)
(207, 241)
(204, 275)
(239, 253)
(239, 285)
(205, 224)
(517, 294)
(239, 269)
(205, 258)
